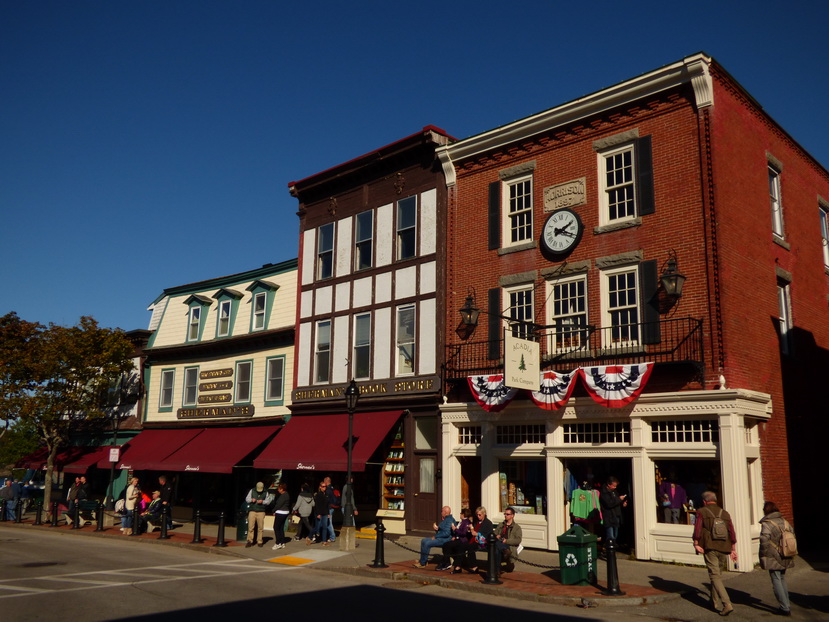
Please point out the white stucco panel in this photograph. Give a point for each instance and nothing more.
(383, 332)
(427, 278)
(306, 302)
(322, 302)
(385, 235)
(339, 351)
(405, 282)
(342, 296)
(426, 341)
(343, 246)
(362, 292)
(309, 250)
(303, 356)
(382, 288)
(428, 222)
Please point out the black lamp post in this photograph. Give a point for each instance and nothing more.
(352, 396)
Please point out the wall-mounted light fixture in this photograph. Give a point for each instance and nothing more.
(469, 312)
(672, 279)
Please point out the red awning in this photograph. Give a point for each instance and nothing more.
(320, 442)
(87, 460)
(37, 459)
(148, 450)
(218, 450)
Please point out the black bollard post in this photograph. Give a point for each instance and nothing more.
(136, 521)
(2, 510)
(492, 561)
(379, 551)
(54, 522)
(18, 511)
(612, 572)
(99, 517)
(163, 535)
(196, 528)
(39, 513)
(76, 516)
(220, 539)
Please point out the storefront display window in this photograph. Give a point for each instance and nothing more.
(679, 487)
(523, 484)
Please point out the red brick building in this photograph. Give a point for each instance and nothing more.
(560, 228)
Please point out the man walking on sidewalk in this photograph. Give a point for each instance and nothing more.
(714, 538)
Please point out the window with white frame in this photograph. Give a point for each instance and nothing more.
(691, 431)
(518, 215)
(601, 433)
(776, 205)
(568, 314)
(194, 323)
(325, 251)
(363, 240)
(275, 379)
(618, 183)
(406, 340)
(520, 310)
(165, 395)
(407, 228)
(824, 233)
(223, 326)
(533, 434)
(470, 434)
(322, 356)
(784, 310)
(362, 346)
(191, 386)
(244, 377)
(259, 300)
(620, 289)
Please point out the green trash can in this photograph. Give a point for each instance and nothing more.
(577, 552)
(242, 523)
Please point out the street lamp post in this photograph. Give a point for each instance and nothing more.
(352, 396)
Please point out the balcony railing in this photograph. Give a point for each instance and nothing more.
(668, 341)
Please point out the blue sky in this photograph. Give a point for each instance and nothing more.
(145, 145)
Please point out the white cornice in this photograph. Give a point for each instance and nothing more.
(693, 69)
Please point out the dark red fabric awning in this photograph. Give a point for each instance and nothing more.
(320, 442)
(88, 459)
(37, 459)
(218, 450)
(147, 451)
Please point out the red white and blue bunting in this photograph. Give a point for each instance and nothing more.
(491, 392)
(616, 385)
(555, 390)
(613, 386)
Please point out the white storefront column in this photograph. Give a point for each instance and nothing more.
(735, 484)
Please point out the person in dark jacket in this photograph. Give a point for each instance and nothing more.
(716, 552)
(612, 504)
(481, 529)
(281, 512)
(772, 526)
(258, 499)
(322, 516)
(152, 514)
(454, 551)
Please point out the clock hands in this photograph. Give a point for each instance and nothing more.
(563, 230)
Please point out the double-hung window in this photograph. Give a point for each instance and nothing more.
(776, 205)
(194, 323)
(824, 232)
(362, 346)
(223, 327)
(626, 179)
(325, 251)
(621, 299)
(521, 311)
(568, 314)
(784, 305)
(259, 300)
(619, 183)
(406, 228)
(518, 215)
(191, 386)
(363, 239)
(275, 379)
(406, 339)
(323, 351)
(243, 381)
(165, 397)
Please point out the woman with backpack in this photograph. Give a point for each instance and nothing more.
(772, 528)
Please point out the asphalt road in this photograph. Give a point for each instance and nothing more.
(46, 576)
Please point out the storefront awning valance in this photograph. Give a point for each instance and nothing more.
(218, 450)
(320, 442)
(37, 459)
(89, 459)
(148, 450)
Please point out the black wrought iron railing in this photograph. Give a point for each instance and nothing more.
(677, 340)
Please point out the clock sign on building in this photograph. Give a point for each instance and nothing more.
(562, 232)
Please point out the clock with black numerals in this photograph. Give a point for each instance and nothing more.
(562, 232)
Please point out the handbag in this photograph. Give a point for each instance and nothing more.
(295, 519)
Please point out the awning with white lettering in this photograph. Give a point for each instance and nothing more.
(218, 450)
(320, 442)
(148, 450)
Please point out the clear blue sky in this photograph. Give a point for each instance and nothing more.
(149, 144)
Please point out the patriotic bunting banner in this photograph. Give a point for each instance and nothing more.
(555, 390)
(491, 392)
(615, 385)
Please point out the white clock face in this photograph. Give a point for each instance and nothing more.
(562, 231)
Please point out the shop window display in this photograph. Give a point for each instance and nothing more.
(679, 487)
(523, 484)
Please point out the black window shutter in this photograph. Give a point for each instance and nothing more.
(644, 163)
(495, 215)
(648, 280)
(494, 304)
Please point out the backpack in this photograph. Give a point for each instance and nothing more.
(719, 528)
(788, 543)
(336, 503)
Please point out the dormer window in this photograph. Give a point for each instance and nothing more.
(262, 293)
(195, 318)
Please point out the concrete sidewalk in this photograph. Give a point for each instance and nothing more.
(536, 576)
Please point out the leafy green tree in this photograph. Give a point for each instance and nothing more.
(68, 371)
(17, 338)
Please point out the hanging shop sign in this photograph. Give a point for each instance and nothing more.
(522, 363)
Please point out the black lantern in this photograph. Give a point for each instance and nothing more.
(672, 280)
(469, 312)
(352, 396)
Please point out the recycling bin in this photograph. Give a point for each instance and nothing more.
(578, 552)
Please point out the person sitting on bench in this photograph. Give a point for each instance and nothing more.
(152, 515)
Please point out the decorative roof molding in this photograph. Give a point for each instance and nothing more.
(227, 293)
(199, 299)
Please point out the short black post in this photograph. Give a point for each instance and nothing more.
(39, 513)
(18, 511)
(379, 551)
(163, 535)
(54, 522)
(76, 516)
(136, 520)
(99, 516)
(612, 572)
(196, 528)
(492, 561)
(2, 510)
(220, 539)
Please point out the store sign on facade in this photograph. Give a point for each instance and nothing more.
(568, 194)
(522, 365)
(215, 411)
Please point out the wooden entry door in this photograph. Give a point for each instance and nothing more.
(424, 510)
